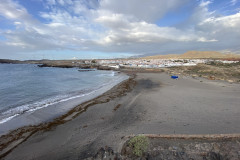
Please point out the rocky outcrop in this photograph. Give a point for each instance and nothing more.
(65, 66)
(184, 147)
(104, 68)
(10, 61)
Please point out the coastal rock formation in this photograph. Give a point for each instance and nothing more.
(65, 65)
(104, 68)
(10, 61)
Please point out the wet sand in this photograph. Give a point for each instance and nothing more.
(55, 110)
(157, 105)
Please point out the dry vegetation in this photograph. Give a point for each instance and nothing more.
(213, 71)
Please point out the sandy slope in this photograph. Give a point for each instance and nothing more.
(195, 54)
(157, 105)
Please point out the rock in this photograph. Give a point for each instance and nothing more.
(104, 68)
(211, 78)
(239, 154)
(215, 156)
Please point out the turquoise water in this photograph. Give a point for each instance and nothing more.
(27, 87)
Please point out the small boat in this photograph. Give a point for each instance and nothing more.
(174, 77)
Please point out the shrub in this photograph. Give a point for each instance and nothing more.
(139, 145)
(93, 61)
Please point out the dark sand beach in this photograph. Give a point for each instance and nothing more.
(156, 105)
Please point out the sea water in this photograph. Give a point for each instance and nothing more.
(28, 88)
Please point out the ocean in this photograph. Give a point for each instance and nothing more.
(28, 88)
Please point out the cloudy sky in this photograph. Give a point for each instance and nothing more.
(63, 29)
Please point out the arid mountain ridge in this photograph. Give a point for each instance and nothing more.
(187, 55)
(197, 55)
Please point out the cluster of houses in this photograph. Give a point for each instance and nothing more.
(149, 63)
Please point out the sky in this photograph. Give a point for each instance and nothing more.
(88, 29)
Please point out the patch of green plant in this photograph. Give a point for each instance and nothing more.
(139, 144)
(220, 64)
(93, 61)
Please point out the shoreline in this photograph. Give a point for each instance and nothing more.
(206, 71)
(147, 109)
(15, 137)
(50, 111)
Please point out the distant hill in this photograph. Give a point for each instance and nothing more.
(195, 54)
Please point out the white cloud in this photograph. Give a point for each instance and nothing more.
(204, 3)
(231, 21)
(108, 26)
(203, 39)
(149, 10)
(233, 2)
(122, 29)
(200, 13)
(61, 2)
(13, 11)
(51, 2)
